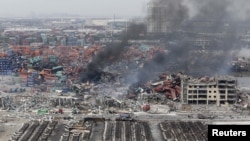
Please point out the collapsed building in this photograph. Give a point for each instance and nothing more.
(169, 85)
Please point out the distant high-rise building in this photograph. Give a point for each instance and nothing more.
(165, 15)
(44, 38)
(63, 42)
(156, 17)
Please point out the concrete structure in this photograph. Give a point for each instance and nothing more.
(220, 90)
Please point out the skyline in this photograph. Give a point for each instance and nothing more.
(95, 8)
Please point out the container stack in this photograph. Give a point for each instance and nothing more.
(5, 66)
(15, 61)
(52, 58)
(23, 82)
(31, 79)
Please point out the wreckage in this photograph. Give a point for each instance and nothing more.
(219, 90)
(242, 101)
(168, 85)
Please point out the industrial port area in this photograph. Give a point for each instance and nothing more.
(165, 76)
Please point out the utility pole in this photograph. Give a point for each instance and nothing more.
(112, 27)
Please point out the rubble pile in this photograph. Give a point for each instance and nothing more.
(51, 74)
(203, 79)
(36, 102)
(167, 85)
(243, 101)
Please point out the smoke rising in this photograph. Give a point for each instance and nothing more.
(214, 22)
(111, 53)
(244, 52)
(215, 9)
(170, 14)
(184, 57)
(103, 58)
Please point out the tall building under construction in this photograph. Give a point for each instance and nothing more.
(156, 17)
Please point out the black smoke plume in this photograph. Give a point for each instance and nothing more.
(106, 57)
(176, 59)
(111, 53)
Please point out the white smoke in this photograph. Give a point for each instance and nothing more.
(233, 9)
(244, 52)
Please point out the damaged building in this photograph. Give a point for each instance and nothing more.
(215, 90)
(219, 90)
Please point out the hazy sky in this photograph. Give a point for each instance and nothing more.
(79, 7)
